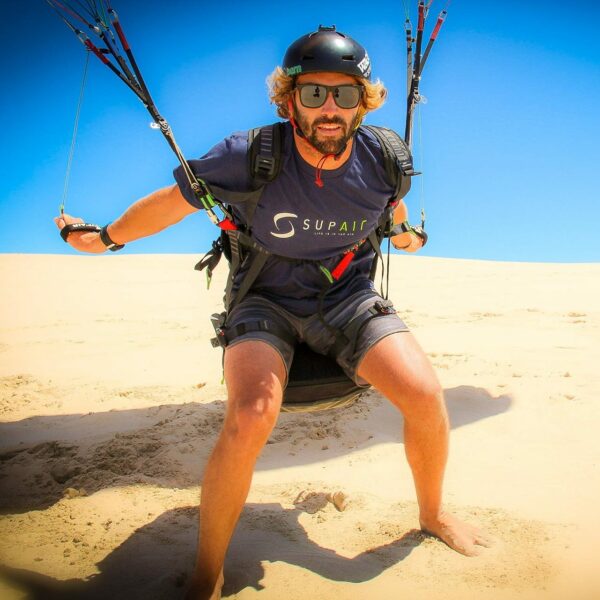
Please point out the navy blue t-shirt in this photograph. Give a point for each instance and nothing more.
(297, 219)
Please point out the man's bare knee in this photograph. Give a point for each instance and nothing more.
(250, 422)
(398, 367)
(425, 405)
(255, 376)
(253, 368)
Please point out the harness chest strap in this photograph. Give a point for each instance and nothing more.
(256, 257)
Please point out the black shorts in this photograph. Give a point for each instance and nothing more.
(359, 313)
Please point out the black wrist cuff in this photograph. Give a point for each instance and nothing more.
(399, 228)
(67, 229)
(112, 246)
(420, 232)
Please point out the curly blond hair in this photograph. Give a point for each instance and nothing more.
(281, 88)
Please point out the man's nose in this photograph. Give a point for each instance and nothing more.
(329, 105)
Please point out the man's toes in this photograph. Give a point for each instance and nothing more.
(484, 540)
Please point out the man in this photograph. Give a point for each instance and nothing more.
(329, 195)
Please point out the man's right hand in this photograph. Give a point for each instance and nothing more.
(83, 241)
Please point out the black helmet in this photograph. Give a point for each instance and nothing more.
(327, 50)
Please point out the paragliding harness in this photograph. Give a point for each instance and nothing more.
(315, 381)
(326, 383)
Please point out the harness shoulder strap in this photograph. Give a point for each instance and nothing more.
(397, 158)
(398, 164)
(264, 153)
(264, 161)
(264, 157)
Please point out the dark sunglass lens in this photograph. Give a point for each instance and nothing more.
(347, 96)
(313, 96)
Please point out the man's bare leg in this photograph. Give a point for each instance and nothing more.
(255, 375)
(399, 369)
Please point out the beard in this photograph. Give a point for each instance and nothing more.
(329, 145)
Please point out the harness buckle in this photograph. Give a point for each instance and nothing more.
(384, 307)
(264, 166)
(218, 322)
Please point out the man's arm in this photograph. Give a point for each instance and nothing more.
(147, 216)
(409, 242)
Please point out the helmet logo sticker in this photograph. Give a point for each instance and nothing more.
(296, 70)
(365, 65)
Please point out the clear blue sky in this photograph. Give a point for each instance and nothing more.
(511, 130)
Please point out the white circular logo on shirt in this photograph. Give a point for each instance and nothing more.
(277, 218)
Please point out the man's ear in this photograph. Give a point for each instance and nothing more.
(290, 106)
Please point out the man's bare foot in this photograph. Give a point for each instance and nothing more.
(200, 591)
(462, 537)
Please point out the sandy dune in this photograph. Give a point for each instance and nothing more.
(111, 399)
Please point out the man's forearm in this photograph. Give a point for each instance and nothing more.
(151, 214)
(404, 241)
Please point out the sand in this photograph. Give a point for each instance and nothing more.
(111, 399)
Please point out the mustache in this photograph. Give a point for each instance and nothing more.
(329, 121)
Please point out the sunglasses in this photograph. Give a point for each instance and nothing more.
(314, 95)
